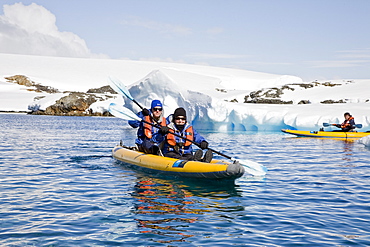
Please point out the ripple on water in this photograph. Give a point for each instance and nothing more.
(61, 187)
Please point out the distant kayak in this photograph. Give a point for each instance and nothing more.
(150, 163)
(327, 134)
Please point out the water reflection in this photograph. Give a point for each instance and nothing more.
(167, 208)
(348, 150)
(346, 144)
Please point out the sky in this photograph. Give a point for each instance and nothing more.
(313, 39)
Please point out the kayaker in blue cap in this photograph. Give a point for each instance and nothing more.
(149, 137)
(348, 124)
(179, 148)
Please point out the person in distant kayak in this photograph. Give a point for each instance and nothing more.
(180, 148)
(148, 136)
(348, 124)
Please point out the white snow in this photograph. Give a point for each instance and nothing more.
(206, 92)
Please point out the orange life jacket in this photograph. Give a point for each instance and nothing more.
(346, 123)
(189, 134)
(148, 129)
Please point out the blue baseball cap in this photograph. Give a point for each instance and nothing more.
(156, 103)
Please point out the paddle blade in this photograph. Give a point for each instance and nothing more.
(356, 125)
(119, 87)
(254, 168)
(122, 112)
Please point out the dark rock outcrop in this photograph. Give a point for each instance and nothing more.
(303, 102)
(74, 104)
(273, 95)
(25, 81)
(21, 80)
(330, 101)
(104, 89)
(268, 101)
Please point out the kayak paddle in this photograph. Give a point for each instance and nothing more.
(328, 124)
(253, 168)
(120, 88)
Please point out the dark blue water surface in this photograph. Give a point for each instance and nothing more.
(59, 186)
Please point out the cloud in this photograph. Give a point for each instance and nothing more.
(355, 54)
(337, 63)
(161, 27)
(32, 30)
(345, 59)
(215, 30)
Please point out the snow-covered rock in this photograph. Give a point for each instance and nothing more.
(213, 97)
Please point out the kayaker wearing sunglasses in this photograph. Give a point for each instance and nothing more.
(179, 148)
(149, 137)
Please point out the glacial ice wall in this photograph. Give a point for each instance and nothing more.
(217, 113)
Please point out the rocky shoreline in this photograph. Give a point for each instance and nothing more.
(72, 104)
(78, 103)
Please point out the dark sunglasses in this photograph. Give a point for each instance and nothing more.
(157, 109)
(180, 118)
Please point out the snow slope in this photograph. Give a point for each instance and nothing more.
(206, 92)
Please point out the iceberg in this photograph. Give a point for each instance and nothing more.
(214, 105)
(365, 140)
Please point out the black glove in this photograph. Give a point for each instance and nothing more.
(145, 112)
(203, 145)
(164, 130)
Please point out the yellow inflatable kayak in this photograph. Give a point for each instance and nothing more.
(327, 134)
(217, 169)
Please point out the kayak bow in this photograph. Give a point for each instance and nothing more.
(326, 134)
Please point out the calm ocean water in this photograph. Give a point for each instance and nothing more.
(61, 187)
